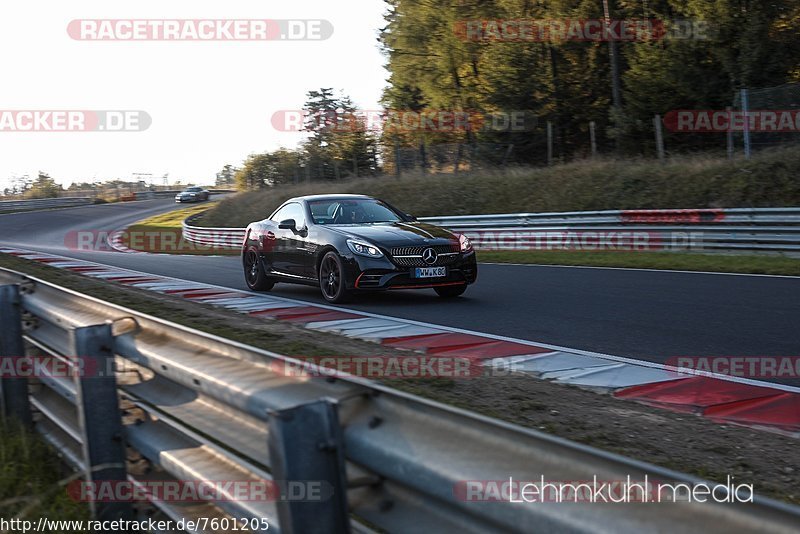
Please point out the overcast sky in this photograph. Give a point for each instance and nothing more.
(210, 102)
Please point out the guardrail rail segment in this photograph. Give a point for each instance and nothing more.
(753, 230)
(69, 202)
(44, 203)
(194, 406)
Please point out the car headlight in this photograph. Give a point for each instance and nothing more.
(364, 249)
(466, 244)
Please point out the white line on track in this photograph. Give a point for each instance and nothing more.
(639, 269)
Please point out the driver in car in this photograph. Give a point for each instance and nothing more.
(352, 214)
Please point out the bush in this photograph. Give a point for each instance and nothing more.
(770, 179)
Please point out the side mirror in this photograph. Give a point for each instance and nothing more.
(411, 217)
(288, 224)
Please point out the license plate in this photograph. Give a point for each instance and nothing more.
(430, 272)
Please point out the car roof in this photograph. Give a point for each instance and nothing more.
(326, 197)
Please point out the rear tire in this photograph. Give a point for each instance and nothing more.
(254, 274)
(449, 292)
(331, 279)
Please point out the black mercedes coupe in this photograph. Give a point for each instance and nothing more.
(348, 243)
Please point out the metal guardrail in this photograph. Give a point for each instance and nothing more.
(44, 203)
(149, 195)
(68, 202)
(199, 407)
(755, 230)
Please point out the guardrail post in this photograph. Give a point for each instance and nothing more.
(14, 401)
(99, 416)
(306, 448)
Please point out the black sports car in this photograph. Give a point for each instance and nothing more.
(344, 243)
(192, 194)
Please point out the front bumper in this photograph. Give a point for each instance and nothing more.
(381, 274)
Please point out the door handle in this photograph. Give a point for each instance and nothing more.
(270, 235)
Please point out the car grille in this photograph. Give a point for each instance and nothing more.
(412, 256)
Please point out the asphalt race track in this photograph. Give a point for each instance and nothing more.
(640, 314)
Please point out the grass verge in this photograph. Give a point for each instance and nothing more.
(163, 234)
(722, 263)
(31, 485)
(769, 179)
(675, 440)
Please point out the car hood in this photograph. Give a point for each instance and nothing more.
(397, 234)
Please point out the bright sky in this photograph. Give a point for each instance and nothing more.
(210, 102)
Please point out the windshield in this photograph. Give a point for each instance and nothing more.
(352, 211)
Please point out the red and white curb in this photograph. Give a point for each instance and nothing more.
(117, 241)
(723, 399)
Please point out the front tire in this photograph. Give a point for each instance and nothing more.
(331, 279)
(254, 274)
(449, 292)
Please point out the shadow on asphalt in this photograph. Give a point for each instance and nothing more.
(377, 300)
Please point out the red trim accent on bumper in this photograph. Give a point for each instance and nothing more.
(358, 280)
(427, 286)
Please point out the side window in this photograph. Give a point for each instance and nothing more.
(279, 215)
(298, 213)
(291, 211)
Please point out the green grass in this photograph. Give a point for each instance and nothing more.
(775, 265)
(31, 481)
(770, 179)
(163, 234)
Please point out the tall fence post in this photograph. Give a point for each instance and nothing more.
(459, 151)
(659, 137)
(745, 114)
(593, 138)
(306, 447)
(13, 390)
(507, 155)
(549, 143)
(729, 133)
(423, 155)
(99, 416)
(398, 171)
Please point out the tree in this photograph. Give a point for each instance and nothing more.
(19, 185)
(340, 144)
(227, 176)
(254, 174)
(44, 187)
(434, 64)
(268, 169)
